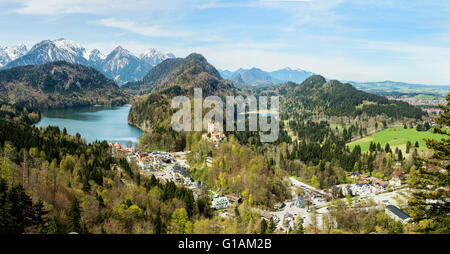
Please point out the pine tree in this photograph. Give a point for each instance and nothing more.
(157, 228)
(387, 148)
(400, 155)
(39, 214)
(263, 228)
(75, 216)
(429, 206)
(299, 229)
(272, 226)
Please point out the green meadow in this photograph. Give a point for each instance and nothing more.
(396, 137)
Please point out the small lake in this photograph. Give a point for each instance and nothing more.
(94, 123)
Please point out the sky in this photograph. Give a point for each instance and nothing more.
(358, 40)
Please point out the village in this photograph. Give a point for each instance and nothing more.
(306, 201)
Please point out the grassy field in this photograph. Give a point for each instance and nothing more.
(396, 137)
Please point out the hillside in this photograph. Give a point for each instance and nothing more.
(333, 98)
(173, 77)
(58, 84)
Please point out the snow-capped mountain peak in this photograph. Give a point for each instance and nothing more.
(120, 51)
(96, 55)
(8, 54)
(153, 56)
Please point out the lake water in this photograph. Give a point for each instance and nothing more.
(94, 123)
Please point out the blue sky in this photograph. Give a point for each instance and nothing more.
(364, 40)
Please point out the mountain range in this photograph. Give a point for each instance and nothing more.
(256, 77)
(120, 64)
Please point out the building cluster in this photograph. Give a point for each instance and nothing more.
(117, 147)
(214, 135)
(421, 102)
(366, 185)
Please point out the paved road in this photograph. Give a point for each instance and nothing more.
(297, 183)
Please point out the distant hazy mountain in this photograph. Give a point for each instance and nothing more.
(225, 73)
(294, 75)
(394, 88)
(259, 78)
(119, 65)
(8, 54)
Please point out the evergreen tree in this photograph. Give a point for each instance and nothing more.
(263, 228)
(75, 216)
(272, 226)
(39, 214)
(387, 148)
(299, 229)
(400, 155)
(429, 206)
(157, 223)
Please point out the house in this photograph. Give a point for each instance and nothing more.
(434, 167)
(379, 182)
(399, 173)
(395, 181)
(218, 136)
(176, 169)
(355, 175)
(131, 158)
(397, 214)
(220, 203)
(266, 215)
(234, 199)
(279, 206)
(118, 146)
(288, 218)
(362, 182)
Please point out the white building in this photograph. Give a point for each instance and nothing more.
(220, 203)
(395, 181)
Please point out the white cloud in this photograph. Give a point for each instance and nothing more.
(152, 31)
(58, 7)
(164, 31)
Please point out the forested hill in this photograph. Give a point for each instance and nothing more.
(58, 84)
(334, 98)
(173, 77)
(189, 72)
